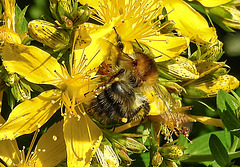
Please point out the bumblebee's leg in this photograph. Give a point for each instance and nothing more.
(136, 115)
(119, 40)
(115, 75)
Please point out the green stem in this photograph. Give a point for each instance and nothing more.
(199, 158)
(202, 158)
(26, 40)
(235, 144)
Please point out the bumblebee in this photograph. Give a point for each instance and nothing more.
(122, 96)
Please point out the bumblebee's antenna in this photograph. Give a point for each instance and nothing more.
(139, 45)
(119, 40)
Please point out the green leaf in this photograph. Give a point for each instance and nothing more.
(141, 159)
(227, 107)
(32, 86)
(15, 92)
(220, 12)
(198, 7)
(146, 131)
(20, 21)
(218, 151)
(10, 98)
(200, 152)
(1, 8)
(219, 22)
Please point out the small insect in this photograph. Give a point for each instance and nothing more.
(122, 96)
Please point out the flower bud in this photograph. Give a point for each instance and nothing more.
(127, 143)
(157, 159)
(60, 8)
(234, 22)
(212, 51)
(48, 34)
(19, 89)
(179, 68)
(106, 156)
(134, 146)
(171, 86)
(11, 79)
(173, 152)
(229, 15)
(208, 86)
(82, 15)
(68, 13)
(125, 159)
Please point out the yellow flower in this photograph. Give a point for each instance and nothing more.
(133, 21)
(7, 31)
(81, 135)
(189, 22)
(49, 151)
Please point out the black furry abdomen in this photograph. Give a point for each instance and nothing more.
(114, 103)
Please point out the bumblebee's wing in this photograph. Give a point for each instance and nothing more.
(160, 100)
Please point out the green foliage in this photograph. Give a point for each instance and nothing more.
(218, 151)
(228, 107)
(20, 20)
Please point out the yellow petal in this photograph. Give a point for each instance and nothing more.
(9, 36)
(189, 22)
(205, 67)
(30, 115)
(207, 120)
(81, 38)
(9, 6)
(52, 147)
(111, 4)
(9, 151)
(82, 138)
(212, 3)
(99, 49)
(31, 62)
(166, 47)
(1, 97)
(92, 3)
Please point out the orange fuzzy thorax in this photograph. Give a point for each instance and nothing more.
(144, 69)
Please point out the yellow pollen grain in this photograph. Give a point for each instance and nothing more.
(124, 120)
(55, 138)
